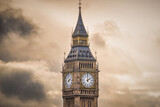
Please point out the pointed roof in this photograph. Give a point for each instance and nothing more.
(80, 28)
(80, 54)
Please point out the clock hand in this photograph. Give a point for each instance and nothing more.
(69, 80)
(88, 79)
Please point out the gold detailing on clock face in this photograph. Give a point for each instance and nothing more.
(68, 80)
(87, 80)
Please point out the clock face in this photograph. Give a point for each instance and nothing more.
(87, 80)
(68, 80)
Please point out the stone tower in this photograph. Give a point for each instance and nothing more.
(80, 80)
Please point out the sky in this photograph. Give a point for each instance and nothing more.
(34, 34)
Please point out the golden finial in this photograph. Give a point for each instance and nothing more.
(64, 55)
(72, 30)
(87, 30)
(80, 3)
(96, 55)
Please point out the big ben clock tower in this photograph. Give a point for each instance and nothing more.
(80, 80)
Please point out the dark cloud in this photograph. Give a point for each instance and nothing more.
(20, 38)
(20, 84)
(13, 24)
(12, 20)
(23, 84)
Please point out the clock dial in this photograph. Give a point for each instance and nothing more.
(87, 80)
(68, 80)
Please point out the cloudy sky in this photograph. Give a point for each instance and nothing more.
(34, 34)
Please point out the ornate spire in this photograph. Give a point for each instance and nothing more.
(80, 28)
